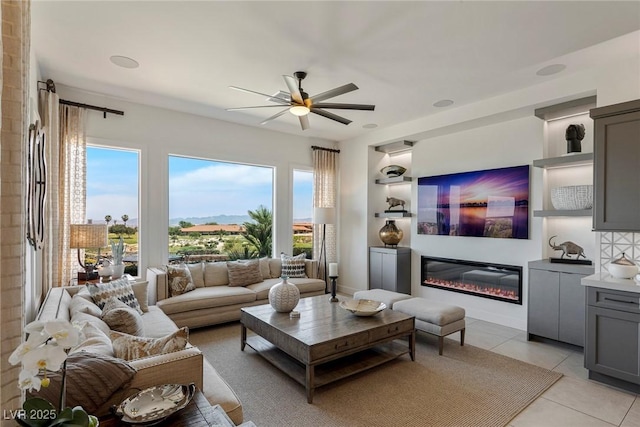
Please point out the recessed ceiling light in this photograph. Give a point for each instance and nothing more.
(124, 62)
(551, 69)
(443, 103)
(370, 126)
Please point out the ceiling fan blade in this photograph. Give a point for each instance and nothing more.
(345, 106)
(269, 97)
(304, 122)
(331, 116)
(276, 115)
(334, 92)
(293, 89)
(255, 106)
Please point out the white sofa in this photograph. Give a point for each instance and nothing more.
(179, 367)
(214, 301)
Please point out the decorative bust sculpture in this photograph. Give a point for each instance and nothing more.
(574, 136)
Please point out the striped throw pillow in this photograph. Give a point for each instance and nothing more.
(119, 288)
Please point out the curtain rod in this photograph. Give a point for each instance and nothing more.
(50, 86)
(92, 107)
(315, 147)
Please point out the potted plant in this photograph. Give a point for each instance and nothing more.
(45, 351)
(117, 253)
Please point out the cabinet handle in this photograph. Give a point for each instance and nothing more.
(396, 329)
(619, 300)
(337, 346)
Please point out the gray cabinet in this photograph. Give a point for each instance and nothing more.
(612, 351)
(556, 301)
(390, 269)
(617, 167)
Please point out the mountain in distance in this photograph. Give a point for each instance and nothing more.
(219, 219)
(222, 219)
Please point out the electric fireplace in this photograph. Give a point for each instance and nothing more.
(495, 281)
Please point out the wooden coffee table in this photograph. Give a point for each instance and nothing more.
(327, 343)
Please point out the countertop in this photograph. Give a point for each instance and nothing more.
(606, 281)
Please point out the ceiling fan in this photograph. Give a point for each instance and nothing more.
(300, 104)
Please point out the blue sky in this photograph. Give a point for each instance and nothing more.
(197, 188)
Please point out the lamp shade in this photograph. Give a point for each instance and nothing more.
(324, 215)
(88, 236)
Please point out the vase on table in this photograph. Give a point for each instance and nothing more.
(284, 296)
(390, 234)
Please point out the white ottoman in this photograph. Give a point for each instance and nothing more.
(434, 317)
(387, 297)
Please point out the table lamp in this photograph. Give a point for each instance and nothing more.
(88, 236)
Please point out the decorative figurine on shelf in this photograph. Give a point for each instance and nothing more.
(393, 202)
(568, 248)
(574, 136)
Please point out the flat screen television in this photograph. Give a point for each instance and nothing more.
(485, 203)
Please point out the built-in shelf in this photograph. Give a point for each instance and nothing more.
(393, 214)
(394, 180)
(395, 147)
(563, 161)
(557, 213)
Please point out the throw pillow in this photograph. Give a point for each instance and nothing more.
(122, 318)
(81, 318)
(179, 278)
(197, 274)
(293, 266)
(140, 291)
(128, 347)
(216, 274)
(264, 268)
(81, 305)
(93, 340)
(91, 380)
(244, 273)
(119, 288)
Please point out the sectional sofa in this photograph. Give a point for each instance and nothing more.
(217, 299)
(75, 303)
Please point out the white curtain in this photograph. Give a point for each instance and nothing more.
(325, 177)
(66, 198)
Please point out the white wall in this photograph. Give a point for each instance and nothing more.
(501, 131)
(158, 132)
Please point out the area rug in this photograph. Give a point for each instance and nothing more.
(467, 386)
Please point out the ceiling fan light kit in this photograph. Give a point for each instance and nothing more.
(300, 104)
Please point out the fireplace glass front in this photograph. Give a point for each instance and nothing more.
(495, 281)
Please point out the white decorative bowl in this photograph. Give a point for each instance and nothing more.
(392, 171)
(363, 307)
(572, 197)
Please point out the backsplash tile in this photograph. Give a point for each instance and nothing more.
(613, 244)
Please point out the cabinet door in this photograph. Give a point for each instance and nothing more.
(617, 172)
(375, 269)
(543, 303)
(572, 309)
(612, 343)
(389, 272)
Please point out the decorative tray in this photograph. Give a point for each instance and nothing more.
(363, 307)
(154, 404)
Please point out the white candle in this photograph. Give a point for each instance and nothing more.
(333, 269)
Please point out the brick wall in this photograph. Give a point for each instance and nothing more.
(13, 142)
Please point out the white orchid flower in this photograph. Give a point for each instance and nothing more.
(49, 357)
(35, 326)
(34, 341)
(63, 332)
(29, 380)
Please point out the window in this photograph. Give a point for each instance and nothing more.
(112, 198)
(219, 210)
(302, 212)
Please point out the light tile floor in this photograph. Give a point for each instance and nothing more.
(574, 400)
